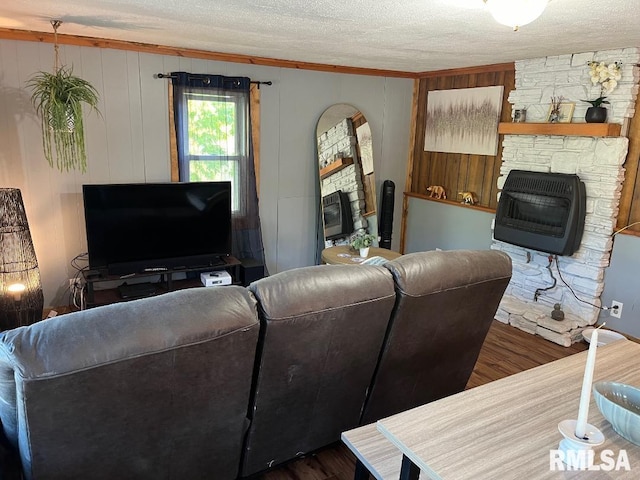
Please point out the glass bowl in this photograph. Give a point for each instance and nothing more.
(620, 405)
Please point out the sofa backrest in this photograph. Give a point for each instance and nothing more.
(322, 328)
(153, 388)
(445, 303)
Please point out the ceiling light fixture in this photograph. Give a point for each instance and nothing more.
(515, 13)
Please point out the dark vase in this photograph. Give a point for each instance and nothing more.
(596, 115)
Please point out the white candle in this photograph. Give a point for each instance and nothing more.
(585, 395)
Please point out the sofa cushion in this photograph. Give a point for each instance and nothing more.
(321, 334)
(134, 388)
(445, 303)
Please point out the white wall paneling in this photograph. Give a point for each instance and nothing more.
(130, 143)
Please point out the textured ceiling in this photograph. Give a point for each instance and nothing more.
(405, 35)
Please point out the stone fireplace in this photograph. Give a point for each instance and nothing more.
(576, 282)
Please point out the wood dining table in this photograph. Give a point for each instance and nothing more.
(506, 429)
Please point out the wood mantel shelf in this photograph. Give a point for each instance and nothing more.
(566, 129)
(336, 166)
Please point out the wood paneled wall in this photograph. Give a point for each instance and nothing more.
(458, 172)
(477, 173)
(630, 200)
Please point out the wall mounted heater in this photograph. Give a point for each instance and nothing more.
(336, 214)
(541, 211)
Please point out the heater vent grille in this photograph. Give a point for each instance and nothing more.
(542, 211)
(539, 185)
(536, 213)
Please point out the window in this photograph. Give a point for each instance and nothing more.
(215, 123)
(216, 140)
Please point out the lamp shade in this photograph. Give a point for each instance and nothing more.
(21, 298)
(515, 13)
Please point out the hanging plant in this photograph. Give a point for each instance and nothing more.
(58, 100)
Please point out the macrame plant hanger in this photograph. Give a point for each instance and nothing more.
(58, 100)
(56, 48)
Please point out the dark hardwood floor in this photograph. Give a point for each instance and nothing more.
(506, 351)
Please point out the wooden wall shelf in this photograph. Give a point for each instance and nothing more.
(450, 202)
(567, 129)
(336, 166)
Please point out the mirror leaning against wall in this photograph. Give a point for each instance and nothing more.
(347, 181)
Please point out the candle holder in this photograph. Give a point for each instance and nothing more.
(575, 450)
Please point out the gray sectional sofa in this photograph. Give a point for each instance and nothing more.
(221, 383)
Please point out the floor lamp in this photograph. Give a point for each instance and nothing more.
(21, 298)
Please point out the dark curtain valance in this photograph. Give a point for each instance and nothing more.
(200, 80)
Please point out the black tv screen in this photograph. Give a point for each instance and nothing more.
(136, 227)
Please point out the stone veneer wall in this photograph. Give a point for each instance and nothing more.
(599, 164)
(340, 142)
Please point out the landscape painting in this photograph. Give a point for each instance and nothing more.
(464, 120)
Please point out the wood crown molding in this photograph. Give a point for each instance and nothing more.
(77, 40)
(496, 67)
(32, 36)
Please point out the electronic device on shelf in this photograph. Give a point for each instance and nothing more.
(214, 279)
(136, 290)
(153, 227)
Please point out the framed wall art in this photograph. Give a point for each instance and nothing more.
(463, 120)
(561, 113)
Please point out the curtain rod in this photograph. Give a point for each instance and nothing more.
(165, 75)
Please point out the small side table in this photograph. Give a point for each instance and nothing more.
(345, 255)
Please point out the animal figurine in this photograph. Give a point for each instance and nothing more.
(436, 191)
(468, 198)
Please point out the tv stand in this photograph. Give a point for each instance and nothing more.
(104, 289)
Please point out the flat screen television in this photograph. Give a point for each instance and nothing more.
(137, 227)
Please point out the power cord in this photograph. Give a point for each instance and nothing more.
(540, 290)
(76, 286)
(574, 293)
(624, 228)
(551, 258)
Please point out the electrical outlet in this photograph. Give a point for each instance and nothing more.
(72, 282)
(616, 309)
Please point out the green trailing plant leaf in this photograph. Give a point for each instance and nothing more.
(58, 100)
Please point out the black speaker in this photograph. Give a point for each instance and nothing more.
(385, 219)
(250, 270)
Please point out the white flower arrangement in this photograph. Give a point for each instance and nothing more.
(605, 75)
